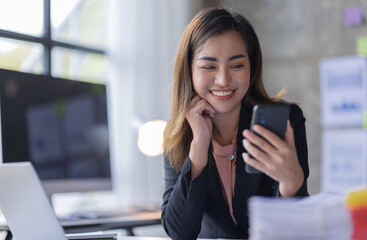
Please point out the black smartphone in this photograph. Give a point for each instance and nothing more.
(273, 117)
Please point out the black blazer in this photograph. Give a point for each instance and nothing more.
(197, 208)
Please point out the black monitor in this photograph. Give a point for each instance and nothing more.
(61, 126)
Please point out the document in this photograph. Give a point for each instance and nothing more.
(343, 91)
(344, 160)
(323, 216)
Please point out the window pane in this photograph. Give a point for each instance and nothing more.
(79, 21)
(22, 16)
(21, 56)
(78, 65)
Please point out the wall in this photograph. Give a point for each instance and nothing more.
(294, 36)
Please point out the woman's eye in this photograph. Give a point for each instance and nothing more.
(237, 66)
(208, 67)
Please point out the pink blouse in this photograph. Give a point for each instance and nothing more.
(226, 169)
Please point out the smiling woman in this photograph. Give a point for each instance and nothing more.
(217, 81)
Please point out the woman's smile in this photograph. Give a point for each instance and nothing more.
(222, 94)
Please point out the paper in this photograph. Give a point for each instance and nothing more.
(343, 91)
(323, 216)
(344, 160)
(353, 16)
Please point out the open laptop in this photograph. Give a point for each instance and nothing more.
(26, 208)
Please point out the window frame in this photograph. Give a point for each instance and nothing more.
(46, 40)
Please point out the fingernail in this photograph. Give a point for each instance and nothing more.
(245, 142)
(245, 133)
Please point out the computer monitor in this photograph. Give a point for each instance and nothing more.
(61, 126)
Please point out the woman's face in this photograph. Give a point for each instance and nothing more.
(221, 71)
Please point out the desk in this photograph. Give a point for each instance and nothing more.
(155, 238)
(127, 222)
(143, 238)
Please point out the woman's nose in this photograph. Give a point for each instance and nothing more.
(223, 77)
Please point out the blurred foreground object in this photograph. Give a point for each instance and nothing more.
(357, 204)
(322, 216)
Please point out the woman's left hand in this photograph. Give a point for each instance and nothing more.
(276, 158)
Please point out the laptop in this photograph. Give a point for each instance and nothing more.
(26, 208)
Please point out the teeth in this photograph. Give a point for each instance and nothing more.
(221, 94)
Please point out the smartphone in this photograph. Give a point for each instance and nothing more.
(273, 117)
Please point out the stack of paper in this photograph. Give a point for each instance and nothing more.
(357, 205)
(323, 216)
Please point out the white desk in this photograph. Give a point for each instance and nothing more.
(140, 238)
(126, 222)
(155, 238)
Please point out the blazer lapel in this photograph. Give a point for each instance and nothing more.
(246, 184)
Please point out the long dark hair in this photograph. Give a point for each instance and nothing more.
(207, 24)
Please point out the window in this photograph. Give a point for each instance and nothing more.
(62, 38)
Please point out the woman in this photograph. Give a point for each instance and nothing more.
(217, 81)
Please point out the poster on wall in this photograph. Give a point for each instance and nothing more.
(343, 91)
(344, 160)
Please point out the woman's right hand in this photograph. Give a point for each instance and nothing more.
(199, 117)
